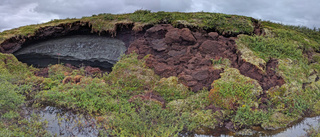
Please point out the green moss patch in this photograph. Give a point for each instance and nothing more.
(233, 90)
(170, 89)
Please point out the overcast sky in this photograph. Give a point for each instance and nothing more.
(15, 13)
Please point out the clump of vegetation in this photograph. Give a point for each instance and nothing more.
(248, 55)
(233, 90)
(170, 89)
(144, 118)
(130, 76)
(12, 88)
(194, 108)
(238, 96)
(290, 45)
(276, 47)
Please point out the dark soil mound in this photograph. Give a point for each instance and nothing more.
(188, 55)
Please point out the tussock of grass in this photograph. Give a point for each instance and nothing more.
(170, 89)
(234, 89)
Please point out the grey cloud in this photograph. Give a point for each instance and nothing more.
(293, 12)
(161, 5)
(79, 8)
(15, 13)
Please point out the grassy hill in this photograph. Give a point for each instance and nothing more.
(126, 101)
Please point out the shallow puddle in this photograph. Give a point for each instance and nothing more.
(62, 123)
(295, 130)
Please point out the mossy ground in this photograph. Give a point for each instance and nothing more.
(118, 99)
(292, 47)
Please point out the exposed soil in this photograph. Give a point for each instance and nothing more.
(173, 51)
(43, 72)
(257, 28)
(188, 55)
(89, 71)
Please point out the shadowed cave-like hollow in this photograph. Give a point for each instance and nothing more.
(74, 43)
(77, 50)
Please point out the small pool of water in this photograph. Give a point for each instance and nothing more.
(297, 129)
(61, 123)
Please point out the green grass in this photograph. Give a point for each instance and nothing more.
(233, 90)
(170, 89)
(144, 119)
(10, 98)
(277, 47)
(12, 90)
(290, 45)
(312, 34)
(246, 117)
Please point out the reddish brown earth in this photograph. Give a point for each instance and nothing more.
(173, 51)
(188, 54)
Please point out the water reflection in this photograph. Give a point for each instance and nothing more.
(62, 123)
(68, 124)
(297, 129)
